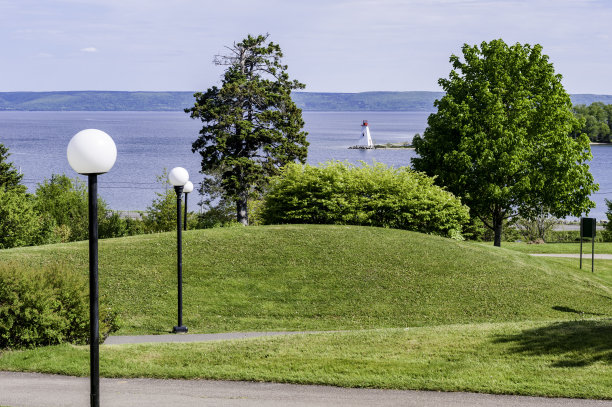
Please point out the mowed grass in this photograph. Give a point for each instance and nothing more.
(569, 359)
(559, 248)
(416, 311)
(325, 278)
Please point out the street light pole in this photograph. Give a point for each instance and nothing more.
(92, 152)
(94, 328)
(187, 189)
(178, 177)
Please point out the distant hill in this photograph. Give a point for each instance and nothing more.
(177, 101)
(367, 101)
(587, 99)
(96, 100)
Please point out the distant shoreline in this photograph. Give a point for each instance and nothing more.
(171, 101)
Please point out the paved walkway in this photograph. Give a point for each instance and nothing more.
(124, 339)
(40, 390)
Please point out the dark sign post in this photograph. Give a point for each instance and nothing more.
(588, 227)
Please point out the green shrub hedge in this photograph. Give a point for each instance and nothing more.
(368, 195)
(46, 306)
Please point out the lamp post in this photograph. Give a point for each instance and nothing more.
(92, 152)
(186, 189)
(178, 177)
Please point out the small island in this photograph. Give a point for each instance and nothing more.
(405, 144)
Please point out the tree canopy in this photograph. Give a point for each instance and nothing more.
(501, 137)
(596, 121)
(251, 125)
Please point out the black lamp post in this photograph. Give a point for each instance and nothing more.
(186, 189)
(178, 177)
(92, 152)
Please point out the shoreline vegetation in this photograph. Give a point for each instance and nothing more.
(405, 145)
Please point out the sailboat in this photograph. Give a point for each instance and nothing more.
(365, 141)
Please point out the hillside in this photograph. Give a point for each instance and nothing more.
(177, 101)
(324, 278)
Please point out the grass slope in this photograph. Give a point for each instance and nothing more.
(325, 278)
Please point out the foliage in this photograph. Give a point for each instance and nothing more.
(134, 226)
(10, 178)
(65, 200)
(46, 306)
(500, 138)
(251, 125)
(596, 121)
(341, 193)
(161, 215)
(217, 209)
(20, 224)
(607, 232)
(112, 225)
(536, 228)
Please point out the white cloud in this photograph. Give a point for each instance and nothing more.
(89, 49)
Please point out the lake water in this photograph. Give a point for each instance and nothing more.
(148, 142)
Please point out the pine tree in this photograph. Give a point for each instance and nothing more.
(10, 178)
(251, 125)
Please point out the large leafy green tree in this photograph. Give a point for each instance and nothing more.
(501, 137)
(251, 125)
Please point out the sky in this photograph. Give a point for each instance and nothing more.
(330, 45)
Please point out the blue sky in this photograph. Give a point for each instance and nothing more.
(331, 45)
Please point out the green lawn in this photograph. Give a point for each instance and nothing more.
(478, 318)
(323, 278)
(570, 359)
(574, 248)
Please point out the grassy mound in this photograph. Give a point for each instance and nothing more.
(324, 278)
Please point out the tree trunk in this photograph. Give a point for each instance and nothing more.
(242, 214)
(498, 220)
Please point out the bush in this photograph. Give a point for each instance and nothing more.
(341, 193)
(538, 228)
(161, 215)
(65, 200)
(112, 225)
(607, 233)
(20, 225)
(46, 306)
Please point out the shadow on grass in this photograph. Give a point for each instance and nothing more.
(571, 343)
(574, 311)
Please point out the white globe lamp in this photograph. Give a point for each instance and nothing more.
(178, 176)
(186, 189)
(91, 151)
